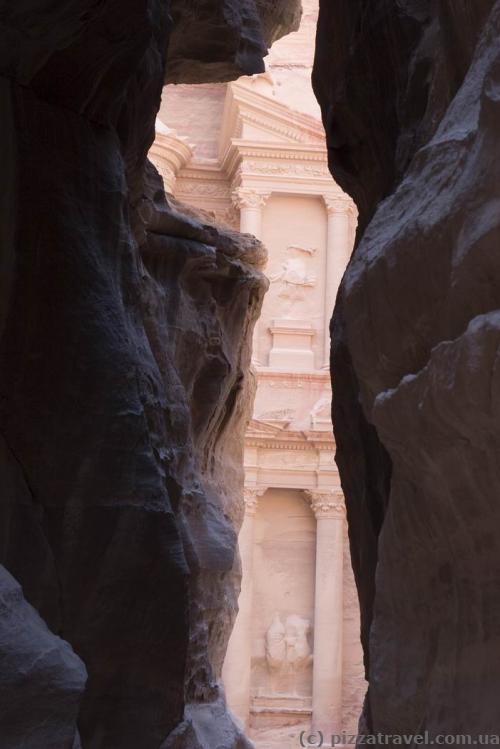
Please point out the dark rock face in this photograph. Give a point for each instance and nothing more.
(41, 679)
(219, 40)
(412, 111)
(125, 326)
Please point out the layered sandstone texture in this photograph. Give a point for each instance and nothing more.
(410, 93)
(125, 327)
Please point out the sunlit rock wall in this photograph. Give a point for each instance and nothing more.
(410, 93)
(125, 326)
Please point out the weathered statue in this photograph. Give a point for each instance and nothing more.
(287, 646)
(293, 279)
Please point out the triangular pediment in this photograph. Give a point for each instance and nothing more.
(257, 427)
(252, 114)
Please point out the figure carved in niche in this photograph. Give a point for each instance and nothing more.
(287, 645)
(293, 279)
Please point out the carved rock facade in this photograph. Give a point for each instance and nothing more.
(410, 100)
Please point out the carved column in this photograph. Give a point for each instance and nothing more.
(328, 506)
(236, 671)
(250, 203)
(338, 252)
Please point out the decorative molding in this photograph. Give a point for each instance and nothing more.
(273, 126)
(245, 197)
(282, 152)
(313, 379)
(296, 170)
(254, 441)
(327, 503)
(203, 189)
(272, 437)
(246, 105)
(291, 329)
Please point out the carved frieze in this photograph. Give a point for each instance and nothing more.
(285, 168)
(202, 189)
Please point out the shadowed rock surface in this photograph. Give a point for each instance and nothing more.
(41, 679)
(219, 40)
(125, 326)
(410, 93)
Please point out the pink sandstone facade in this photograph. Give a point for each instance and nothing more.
(252, 153)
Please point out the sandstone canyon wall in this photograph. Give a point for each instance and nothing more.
(125, 326)
(410, 94)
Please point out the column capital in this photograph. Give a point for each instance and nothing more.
(251, 496)
(327, 503)
(336, 203)
(248, 197)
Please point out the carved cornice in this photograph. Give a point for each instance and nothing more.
(246, 197)
(256, 441)
(251, 495)
(281, 152)
(320, 378)
(327, 503)
(303, 162)
(275, 126)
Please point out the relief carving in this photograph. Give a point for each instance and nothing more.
(296, 170)
(287, 645)
(293, 279)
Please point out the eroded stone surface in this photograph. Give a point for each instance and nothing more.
(125, 332)
(219, 40)
(41, 678)
(412, 116)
